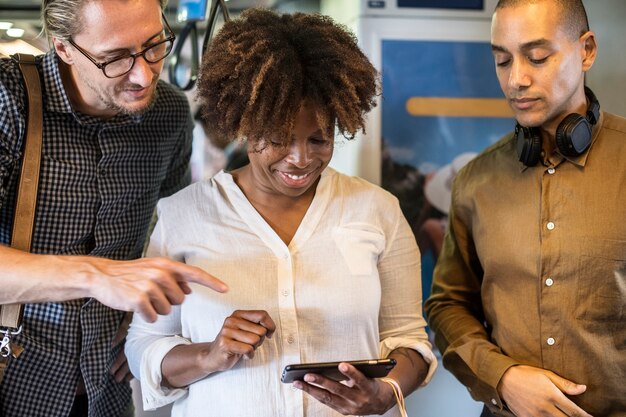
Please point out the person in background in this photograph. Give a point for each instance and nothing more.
(115, 139)
(437, 193)
(217, 153)
(431, 230)
(528, 301)
(321, 266)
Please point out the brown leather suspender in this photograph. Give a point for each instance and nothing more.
(11, 314)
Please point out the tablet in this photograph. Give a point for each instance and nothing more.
(371, 368)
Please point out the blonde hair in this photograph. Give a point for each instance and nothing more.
(61, 18)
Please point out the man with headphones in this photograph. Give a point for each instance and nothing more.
(529, 294)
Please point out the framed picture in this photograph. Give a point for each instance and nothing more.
(441, 105)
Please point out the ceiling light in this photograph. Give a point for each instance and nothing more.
(15, 32)
(18, 46)
(5, 25)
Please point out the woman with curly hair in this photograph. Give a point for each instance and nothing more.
(321, 266)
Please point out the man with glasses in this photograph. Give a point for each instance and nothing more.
(115, 140)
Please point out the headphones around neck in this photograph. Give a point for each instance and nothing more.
(573, 135)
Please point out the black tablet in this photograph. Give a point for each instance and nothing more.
(371, 368)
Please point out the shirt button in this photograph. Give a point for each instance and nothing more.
(290, 339)
(285, 293)
(551, 171)
(494, 402)
(549, 282)
(550, 226)
(551, 341)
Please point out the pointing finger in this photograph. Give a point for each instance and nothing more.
(189, 273)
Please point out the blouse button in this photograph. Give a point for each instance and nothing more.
(549, 282)
(550, 226)
(551, 341)
(551, 171)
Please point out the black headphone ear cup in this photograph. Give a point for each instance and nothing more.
(573, 136)
(528, 144)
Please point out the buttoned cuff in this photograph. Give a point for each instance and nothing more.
(390, 344)
(154, 395)
(491, 367)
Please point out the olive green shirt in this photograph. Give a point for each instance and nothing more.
(533, 271)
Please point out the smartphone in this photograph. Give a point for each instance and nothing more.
(371, 368)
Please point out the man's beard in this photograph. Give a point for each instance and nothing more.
(133, 112)
(111, 104)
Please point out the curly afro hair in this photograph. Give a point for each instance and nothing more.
(261, 67)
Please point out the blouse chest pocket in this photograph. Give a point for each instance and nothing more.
(360, 245)
(602, 281)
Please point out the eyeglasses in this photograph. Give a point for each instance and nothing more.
(117, 67)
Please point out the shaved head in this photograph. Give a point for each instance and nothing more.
(573, 14)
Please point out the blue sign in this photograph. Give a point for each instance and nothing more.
(441, 105)
(191, 10)
(442, 69)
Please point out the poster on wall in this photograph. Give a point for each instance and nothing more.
(441, 106)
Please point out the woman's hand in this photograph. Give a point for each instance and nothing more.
(358, 395)
(242, 333)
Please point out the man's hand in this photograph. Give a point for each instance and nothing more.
(535, 392)
(119, 367)
(148, 286)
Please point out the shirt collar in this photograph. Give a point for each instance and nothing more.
(57, 99)
(579, 160)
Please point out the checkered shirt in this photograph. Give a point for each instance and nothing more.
(100, 181)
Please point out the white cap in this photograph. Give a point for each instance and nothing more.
(438, 188)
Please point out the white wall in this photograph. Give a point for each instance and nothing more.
(607, 77)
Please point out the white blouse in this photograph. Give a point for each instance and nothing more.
(347, 287)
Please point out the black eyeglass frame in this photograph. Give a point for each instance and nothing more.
(102, 65)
